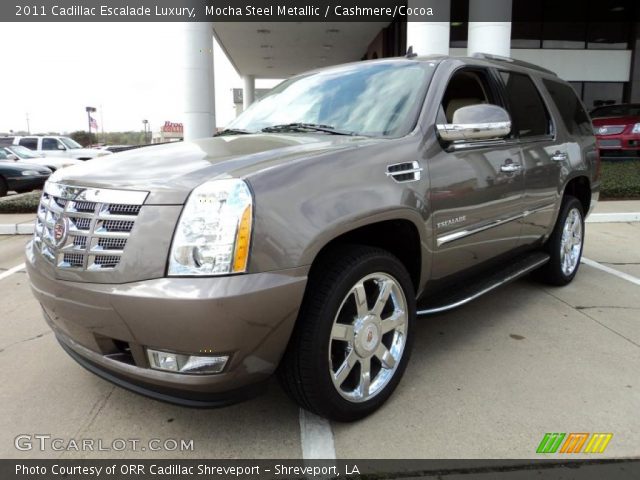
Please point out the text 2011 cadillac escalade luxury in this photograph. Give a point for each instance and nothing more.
(307, 237)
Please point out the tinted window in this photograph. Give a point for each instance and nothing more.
(616, 111)
(50, 144)
(30, 143)
(571, 110)
(528, 113)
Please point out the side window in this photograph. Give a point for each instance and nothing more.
(30, 143)
(3, 154)
(571, 110)
(466, 87)
(528, 112)
(50, 143)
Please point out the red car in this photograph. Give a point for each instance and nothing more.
(617, 129)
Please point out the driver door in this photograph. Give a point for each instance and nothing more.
(477, 187)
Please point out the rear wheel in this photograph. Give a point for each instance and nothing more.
(565, 244)
(353, 337)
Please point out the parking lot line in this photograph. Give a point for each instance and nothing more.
(11, 271)
(316, 437)
(612, 271)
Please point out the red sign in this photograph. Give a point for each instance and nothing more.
(172, 127)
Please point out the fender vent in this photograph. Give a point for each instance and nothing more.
(404, 172)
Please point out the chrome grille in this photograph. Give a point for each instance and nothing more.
(85, 228)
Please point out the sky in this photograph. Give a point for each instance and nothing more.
(128, 71)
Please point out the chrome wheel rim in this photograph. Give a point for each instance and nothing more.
(571, 243)
(368, 337)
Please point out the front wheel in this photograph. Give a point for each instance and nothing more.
(353, 337)
(565, 244)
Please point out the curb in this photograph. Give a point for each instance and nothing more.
(614, 217)
(16, 228)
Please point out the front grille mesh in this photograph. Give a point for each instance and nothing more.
(83, 234)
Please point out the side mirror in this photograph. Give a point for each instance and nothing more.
(11, 156)
(61, 147)
(476, 122)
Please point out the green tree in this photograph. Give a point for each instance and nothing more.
(84, 138)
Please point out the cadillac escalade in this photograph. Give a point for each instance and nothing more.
(306, 238)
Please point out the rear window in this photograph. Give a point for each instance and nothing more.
(616, 111)
(528, 112)
(573, 115)
(30, 143)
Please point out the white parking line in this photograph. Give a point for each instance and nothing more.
(612, 271)
(11, 271)
(316, 437)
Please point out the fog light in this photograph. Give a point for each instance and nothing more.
(180, 363)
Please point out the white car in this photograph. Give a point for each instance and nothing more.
(24, 155)
(55, 146)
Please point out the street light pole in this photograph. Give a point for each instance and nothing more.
(145, 123)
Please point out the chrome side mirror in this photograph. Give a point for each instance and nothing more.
(476, 122)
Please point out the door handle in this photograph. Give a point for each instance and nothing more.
(559, 156)
(510, 167)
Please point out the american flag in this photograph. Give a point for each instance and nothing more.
(93, 123)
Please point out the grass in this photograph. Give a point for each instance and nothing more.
(25, 203)
(620, 180)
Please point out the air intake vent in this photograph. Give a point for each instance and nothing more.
(404, 172)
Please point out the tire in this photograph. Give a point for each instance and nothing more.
(314, 369)
(565, 258)
(4, 188)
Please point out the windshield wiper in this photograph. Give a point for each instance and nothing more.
(304, 127)
(232, 131)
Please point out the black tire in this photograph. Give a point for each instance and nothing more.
(552, 272)
(4, 188)
(305, 369)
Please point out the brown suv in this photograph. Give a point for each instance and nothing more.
(307, 237)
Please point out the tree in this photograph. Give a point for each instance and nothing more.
(84, 138)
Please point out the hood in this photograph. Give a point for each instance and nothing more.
(626, 120)
(171, 171)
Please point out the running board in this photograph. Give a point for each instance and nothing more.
(462, 296)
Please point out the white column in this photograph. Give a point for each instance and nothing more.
(248, 91)
(429, 38)
(199, 100)
(492, 37)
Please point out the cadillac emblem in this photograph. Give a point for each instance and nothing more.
(60, 231)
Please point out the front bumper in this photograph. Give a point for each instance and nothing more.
(107, 328)
(624, 143)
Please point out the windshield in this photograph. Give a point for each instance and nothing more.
(23, 152)
(71, 144)
(616, 111)
(376, 99)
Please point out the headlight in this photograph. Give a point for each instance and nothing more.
(30, 173)
(636, 128)
(214, 230)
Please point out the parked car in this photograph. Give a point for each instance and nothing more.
(617, 129)
(24, 155)
(307, 237)
(54, 146)
(20, 177)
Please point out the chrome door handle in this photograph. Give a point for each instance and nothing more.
(559, 156)
(510, 167)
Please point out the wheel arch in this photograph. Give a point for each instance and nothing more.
(399, 234)
(580, 188)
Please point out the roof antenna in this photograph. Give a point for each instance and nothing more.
(410, 53)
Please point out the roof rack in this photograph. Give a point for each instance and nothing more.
(512, 61)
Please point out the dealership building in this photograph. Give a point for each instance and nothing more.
(594, 44)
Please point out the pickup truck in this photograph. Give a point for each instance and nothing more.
(306, 238)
